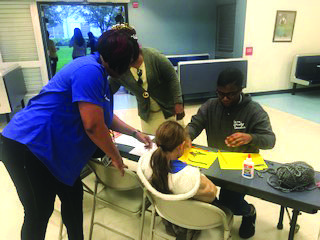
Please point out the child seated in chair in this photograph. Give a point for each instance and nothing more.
(169, 175)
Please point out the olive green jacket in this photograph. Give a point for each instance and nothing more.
(163, 84)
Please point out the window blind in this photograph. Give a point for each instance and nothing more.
(32, 78)
(225, 27)
(17, 41)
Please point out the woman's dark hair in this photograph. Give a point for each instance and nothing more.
(90, 35)
(230, 76)
(169, 135)
(78, 38)
(125, 27)
(118, 49)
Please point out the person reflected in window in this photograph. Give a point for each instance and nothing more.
(52, 52)
(119, 19)
(155, 84)
(78, 43)
(92, 43)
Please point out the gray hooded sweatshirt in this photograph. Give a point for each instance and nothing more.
(220, 122)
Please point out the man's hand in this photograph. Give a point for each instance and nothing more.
(179, 111)
(145, 139)
(238, 139)
(188, 144)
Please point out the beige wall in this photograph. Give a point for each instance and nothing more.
(270, 65)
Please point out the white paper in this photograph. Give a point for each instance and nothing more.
(128, 140)
(139, 147)
(140, 150)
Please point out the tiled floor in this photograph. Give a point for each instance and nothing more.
(297, 139)
(302, 104)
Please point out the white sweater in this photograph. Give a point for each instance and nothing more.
(179, 183)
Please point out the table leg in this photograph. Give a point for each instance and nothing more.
(293, 224)
(22, 103)
(293, 92)
(280, 222)
(8, 117)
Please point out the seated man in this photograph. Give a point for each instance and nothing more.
(234, 123)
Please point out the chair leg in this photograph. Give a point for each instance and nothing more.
(153, 217)
(60, 229)
(293, 92)
(143, 212)
(93, 209)
(87, 189)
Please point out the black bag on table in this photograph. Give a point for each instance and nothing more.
(295, 176)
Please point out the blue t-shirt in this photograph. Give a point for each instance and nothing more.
(51, 126)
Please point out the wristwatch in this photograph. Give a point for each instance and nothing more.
(134, 133)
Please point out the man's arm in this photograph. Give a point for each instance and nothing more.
(198, 122)
(263, 137)
(260, 136)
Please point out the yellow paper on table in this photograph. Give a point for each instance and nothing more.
(198, 157)
(234, 161)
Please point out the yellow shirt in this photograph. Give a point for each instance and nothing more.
(52, 49)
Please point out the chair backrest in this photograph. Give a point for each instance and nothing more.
(305, 68)
(190, 214)
(111, 177)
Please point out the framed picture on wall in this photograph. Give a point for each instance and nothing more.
(283, 28)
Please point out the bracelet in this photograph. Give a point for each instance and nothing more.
(135, 133)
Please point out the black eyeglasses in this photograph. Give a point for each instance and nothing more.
(139, 77)
(228, 95)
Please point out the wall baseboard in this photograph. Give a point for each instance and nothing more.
(191, 99)
(306, 89)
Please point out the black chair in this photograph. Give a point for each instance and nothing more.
(305, 71)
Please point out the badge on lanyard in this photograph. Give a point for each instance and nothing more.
(145, 94)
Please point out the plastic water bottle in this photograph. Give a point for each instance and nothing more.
(248, 167)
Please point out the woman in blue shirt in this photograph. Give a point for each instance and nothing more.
(47, 144)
